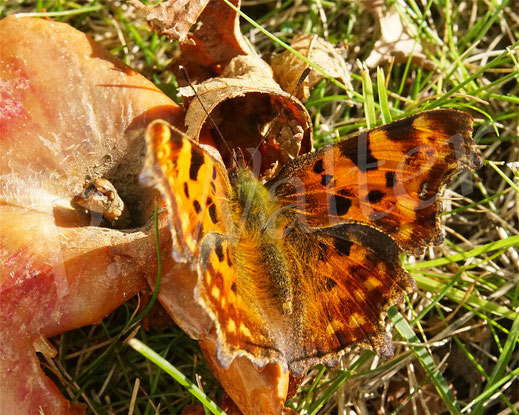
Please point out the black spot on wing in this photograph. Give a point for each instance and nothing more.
(219, 250)
(318, 166)
(212, 210)
(358, 150)
(186, 190)
(376, 241)
(400, 130)
(322, 252)
(214, 172)
(390, 179)
(342, 246)
(233, 287)
(197, 206)
(339, 204)
(326, 179)
(213, 214)
(375, 196)
(329, 284)
(197, 160)
(175, 139)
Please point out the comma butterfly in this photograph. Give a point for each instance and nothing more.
(299, 269)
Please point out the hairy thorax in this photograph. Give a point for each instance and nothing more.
(258, 234)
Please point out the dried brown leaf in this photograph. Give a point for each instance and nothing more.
(253, 390)
(248, 106)
(216, 40)
(395, 43)
(69, 112)
(172, 18)
(288, 68)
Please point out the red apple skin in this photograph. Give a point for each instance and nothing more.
(69, 112)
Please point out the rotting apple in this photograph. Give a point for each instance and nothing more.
(69, 112)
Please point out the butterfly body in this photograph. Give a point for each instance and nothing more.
(301, 268)
(256, 238)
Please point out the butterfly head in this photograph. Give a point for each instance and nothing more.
(238, 159)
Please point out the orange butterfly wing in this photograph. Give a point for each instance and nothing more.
(194, 184)
(343, 280)
(242, 327)
(352, 274)
(196, 188)
(387, 178)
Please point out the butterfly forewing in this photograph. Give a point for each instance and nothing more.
(388, 178)
(194, 184)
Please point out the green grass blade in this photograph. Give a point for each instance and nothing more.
(488, 393)
(176, 374)
(501, 365)
(369, 100)
(425, 360)
(492, 246)
(492, 64)
(337, 382)
(504, 176)
(382, 96)
(433, 286)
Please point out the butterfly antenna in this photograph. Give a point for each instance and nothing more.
(283, 107)
(186, 77)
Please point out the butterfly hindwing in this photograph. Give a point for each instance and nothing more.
(388, 178)
(243, 329)
(352, 275)
(195, 185)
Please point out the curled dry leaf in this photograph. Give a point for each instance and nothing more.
(247, 106)
(172, 18)
(234, 85)
(70, 112)
(214, 42)
(395, 43)
(288, 68)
